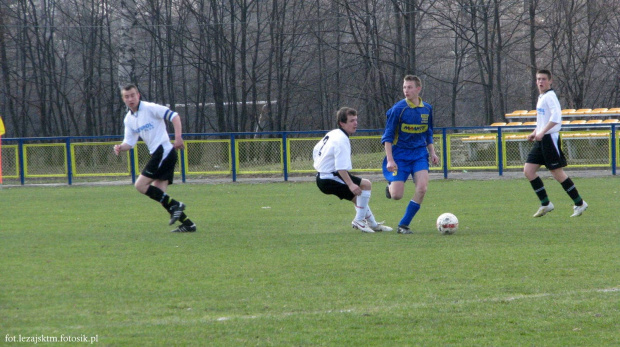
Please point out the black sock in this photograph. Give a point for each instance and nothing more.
(186, 221)
(571, 190)
(539, 189)
(155, 193)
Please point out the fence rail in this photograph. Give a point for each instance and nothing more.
(34, 160)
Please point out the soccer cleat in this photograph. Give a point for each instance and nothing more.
(185, 228)
(403, 229)
(362, 226)
(175, 212)
(543, 210)
(578, 210)
(380, 227)
(387, 192)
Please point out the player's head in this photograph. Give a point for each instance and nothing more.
(131, 96)
(412, 85)
(543, 80)
(347, 119)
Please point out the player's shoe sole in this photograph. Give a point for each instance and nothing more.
(387, 192)
(381, 228)
(403, 229)
(543, 210)
(578, 210)
(361, 226)
(185, 229)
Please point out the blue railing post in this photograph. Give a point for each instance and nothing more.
(69, 161)
(233, 157)
(182, 165)
(444, 144)
(614, 150)
(500, 156)
(132, 164)
(20, 151)
(284, 156)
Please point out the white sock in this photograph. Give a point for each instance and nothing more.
(370, 217)
(362, 205)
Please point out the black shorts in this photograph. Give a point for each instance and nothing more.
(162, 172)
(333, 187)
(548, 153)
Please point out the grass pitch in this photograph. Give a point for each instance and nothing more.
(278, 264)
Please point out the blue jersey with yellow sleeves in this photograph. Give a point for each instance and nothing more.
(408, 125)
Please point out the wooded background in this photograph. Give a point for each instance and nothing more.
(223, 63)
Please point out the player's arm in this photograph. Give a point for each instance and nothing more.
(354, 188)
(178, 132)
(542, 133)
(431, 151)
(121, 148)
(391, 164)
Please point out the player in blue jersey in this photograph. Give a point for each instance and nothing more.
(408, 142)
(147, 120)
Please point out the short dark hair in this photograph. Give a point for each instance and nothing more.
(414, 78)
(129, 86)
(544, 72)
(343, 114)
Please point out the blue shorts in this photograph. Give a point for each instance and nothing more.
(414, 162)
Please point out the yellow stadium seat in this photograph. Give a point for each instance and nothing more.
(565, 122)
(531, 113)
(594, 121)
(609, 121)
(516, 113)
(612, 111)
(580, 111)
(498, 124)
(597, 110)
(568, 110)
(529, 123)
(578, 121)
(511, 124)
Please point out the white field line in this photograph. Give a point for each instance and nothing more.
(414, 305)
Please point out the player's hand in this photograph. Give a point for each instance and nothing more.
(539, 136)
(531, 136)
(434, 159)
(355, 189)
(391, 166)
(178, 143)
(117, 149)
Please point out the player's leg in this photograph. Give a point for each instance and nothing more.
(396, 181)
(421, 184)
(534, 161)
(570, 189)
(335, 186)
(363, 210)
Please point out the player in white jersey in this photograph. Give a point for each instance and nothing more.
(332, 161)
(547, 150)
(147, 120)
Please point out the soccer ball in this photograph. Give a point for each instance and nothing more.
(447, 224)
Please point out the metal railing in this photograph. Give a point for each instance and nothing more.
(281, 154)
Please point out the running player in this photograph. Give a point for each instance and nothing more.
(146, 120)
(408, 141)
(547, 151)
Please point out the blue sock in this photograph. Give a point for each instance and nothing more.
(412, 209)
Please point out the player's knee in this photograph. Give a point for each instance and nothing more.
(141, 187)
(366, 184)
(396, 195)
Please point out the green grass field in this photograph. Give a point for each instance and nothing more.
(279, 265)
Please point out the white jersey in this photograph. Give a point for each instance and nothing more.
(332, 153)
(148, 122)
(548, 109)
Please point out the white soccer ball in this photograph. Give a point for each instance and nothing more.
(447, 224)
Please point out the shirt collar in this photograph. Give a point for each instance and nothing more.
(412, 105)
(343, 131)
(138, 109)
